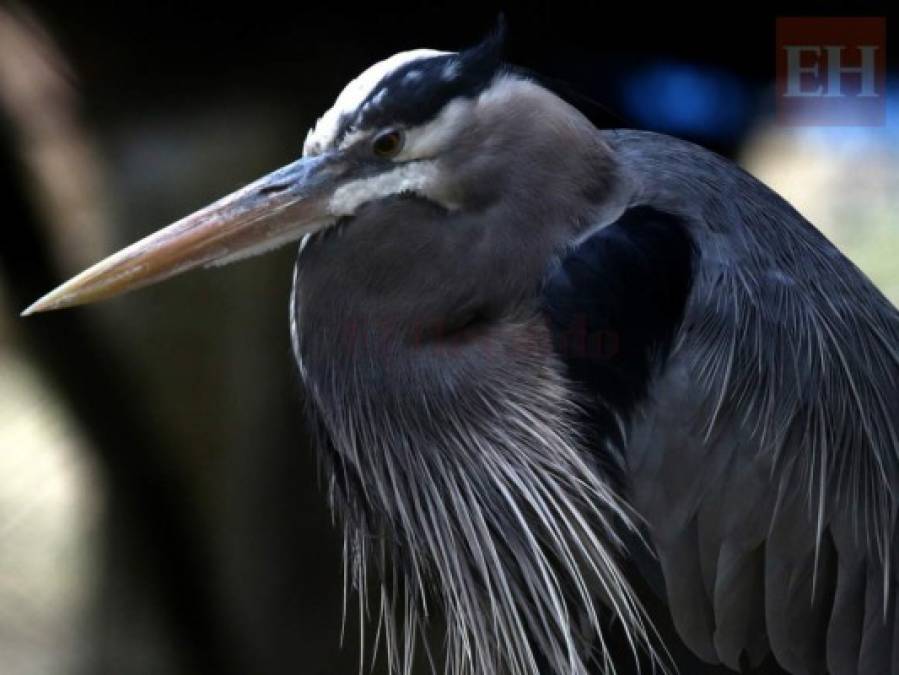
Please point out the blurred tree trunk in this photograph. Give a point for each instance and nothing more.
(155, 589)
(156, 604)
(219, 556)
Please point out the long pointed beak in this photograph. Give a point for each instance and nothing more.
(274, 210)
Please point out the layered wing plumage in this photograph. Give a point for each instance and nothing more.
(762, 447)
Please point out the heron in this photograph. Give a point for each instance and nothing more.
(587, 398)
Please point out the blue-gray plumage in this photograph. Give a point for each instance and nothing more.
(763, 453)
(598, 398)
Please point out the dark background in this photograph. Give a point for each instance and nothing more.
(211, 550)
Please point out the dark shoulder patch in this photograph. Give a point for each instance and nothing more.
(615, 304)
(417, 91)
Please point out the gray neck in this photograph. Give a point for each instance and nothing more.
(451, 440)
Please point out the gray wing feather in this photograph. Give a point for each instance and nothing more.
(695, 622)
(796, 590)
(895, 656)
(844, 635)
(740, 555)
(876, 648)
(741, 624)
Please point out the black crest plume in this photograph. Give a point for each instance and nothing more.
(418, 91)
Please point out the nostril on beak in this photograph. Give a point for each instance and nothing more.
(269, 190)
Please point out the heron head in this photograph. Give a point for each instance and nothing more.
(460, 131)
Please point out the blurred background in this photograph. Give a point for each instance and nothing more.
(159, 505)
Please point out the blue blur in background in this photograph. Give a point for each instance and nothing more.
(687, 99)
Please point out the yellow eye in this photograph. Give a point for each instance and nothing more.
(388, 143)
